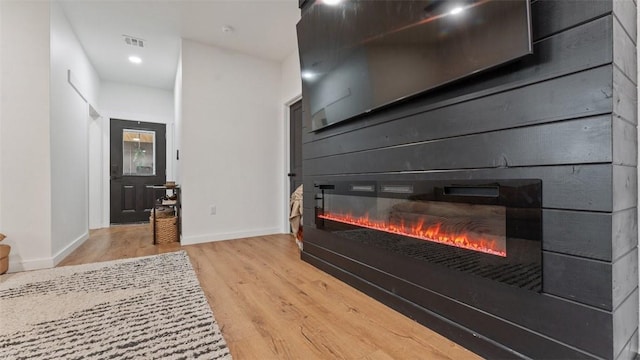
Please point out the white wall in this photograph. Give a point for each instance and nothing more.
(290, 77)
(24, 144)
(231, 154)
(136, 103)
(139, 103)
(96, 174)
(69, 135)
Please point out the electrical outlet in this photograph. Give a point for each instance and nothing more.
(212, 210)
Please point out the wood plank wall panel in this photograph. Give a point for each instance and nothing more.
(425, 316)
(581, 94)
(625, 326)
(587, 281)
(551, 16)
(624, 56)
(626, 136)
(625, 12)
(536, 346)
(625, 97)
(571, 187)
(625, 187)
(585, 234)
(624, 223)
(624, 276)
(630, 350)
(565, 115)
(585, 327)
(593, 235)
(570, 142)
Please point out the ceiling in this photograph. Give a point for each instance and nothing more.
(260, 28)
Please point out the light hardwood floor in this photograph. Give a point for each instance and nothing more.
(272, 305)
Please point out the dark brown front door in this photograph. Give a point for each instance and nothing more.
(138, 161)
(295, 146)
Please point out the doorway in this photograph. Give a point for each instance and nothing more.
(295, 146)
(137, 163)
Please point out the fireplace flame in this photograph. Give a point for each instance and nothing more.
(485, 243)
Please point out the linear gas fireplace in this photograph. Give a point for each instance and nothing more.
(490, 229)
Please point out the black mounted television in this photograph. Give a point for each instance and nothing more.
(358, 56)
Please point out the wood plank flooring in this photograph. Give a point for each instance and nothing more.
(272, 305)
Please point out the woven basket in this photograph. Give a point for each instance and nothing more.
(166, 229)
(4, 258)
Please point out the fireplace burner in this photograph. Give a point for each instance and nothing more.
(488, 229)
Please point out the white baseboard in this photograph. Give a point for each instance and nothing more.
(69, 248)
(16, 264)
(199, 239)
(99, 226)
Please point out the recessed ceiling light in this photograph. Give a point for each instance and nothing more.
(227, 29)
(456, 10)
(332, 2)
(307, 75)
(135, 59)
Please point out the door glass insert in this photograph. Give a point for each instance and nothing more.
(138, 152)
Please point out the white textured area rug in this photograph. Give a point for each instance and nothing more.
(143, 308)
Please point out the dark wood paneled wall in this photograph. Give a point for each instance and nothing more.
(624, 263)
(566, 115)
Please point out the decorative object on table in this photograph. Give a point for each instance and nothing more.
(168, 200)
(295, 215)
(4, 255)
(149, 308)
(170, 184)
(164, 212)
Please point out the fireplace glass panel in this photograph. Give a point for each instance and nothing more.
(474, 227)
(488, 229)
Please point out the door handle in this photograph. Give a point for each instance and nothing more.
(115, 173)
(291, 174)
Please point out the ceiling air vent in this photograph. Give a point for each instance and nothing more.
(133, 41)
